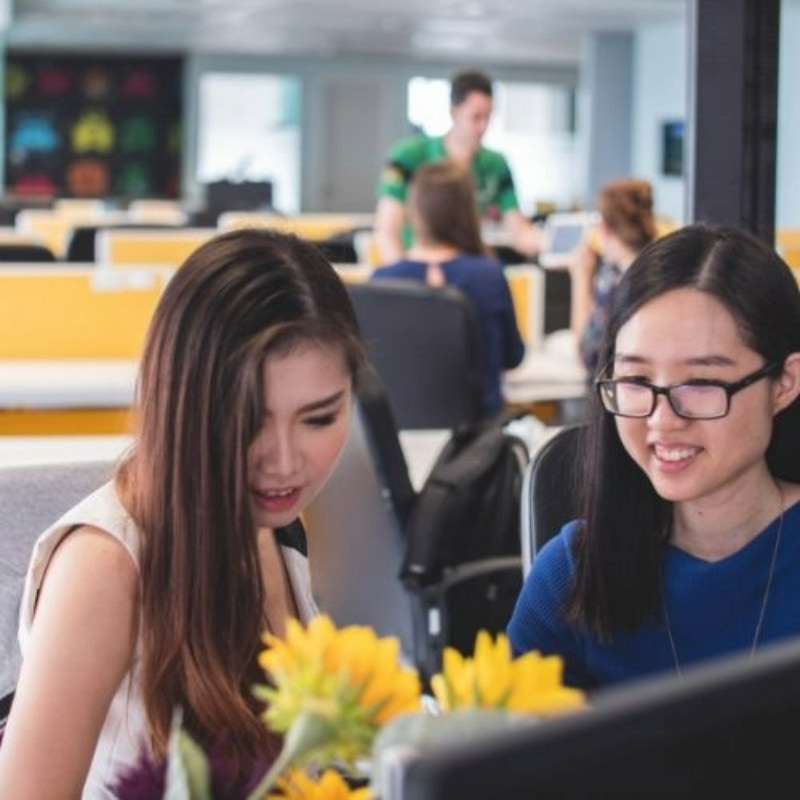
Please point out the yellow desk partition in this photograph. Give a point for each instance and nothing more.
(88, 312)
(52, 313)
(65, 422)
(46, 226)
(787, 243)
(528, 293)
(165, 247)
(311, 226)
(53, 227)
(79, 207)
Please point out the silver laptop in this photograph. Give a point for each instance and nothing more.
(564, 231)
(356, 546)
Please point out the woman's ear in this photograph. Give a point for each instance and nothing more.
(787, 386)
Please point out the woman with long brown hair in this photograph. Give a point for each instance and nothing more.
(448, 250)
(151, 595)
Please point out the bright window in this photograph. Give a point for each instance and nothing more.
(250, 131)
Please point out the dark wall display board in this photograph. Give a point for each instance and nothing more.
(104, 126)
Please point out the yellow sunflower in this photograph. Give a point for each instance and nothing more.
(330, 692)
(493, 679)
(299, 785)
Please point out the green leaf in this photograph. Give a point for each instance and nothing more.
(198, 771)
(188, 771)
(308, 732)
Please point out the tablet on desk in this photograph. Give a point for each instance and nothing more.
(563, 232)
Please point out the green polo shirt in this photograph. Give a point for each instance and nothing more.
(494, 185)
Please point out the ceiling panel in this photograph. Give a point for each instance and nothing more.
(502, 31)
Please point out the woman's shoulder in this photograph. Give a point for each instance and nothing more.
(102, 509)
(476, 267)
(103, 524)
(92, 548)
(92, 543)
(406, 268)
(555, 555)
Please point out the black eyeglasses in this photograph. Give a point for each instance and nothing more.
(696, 399)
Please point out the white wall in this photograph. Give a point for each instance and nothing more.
(372, 139)
(605, 110)
(660, 93)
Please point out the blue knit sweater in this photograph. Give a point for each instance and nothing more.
(713, 609)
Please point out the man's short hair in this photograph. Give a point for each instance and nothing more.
(466, 82)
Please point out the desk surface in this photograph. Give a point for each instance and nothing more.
(546, 374)
(552, 372)
(419, 447)
(67, 383)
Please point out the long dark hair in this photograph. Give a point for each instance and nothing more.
(236, 299)
(442, 198)
(620, 547)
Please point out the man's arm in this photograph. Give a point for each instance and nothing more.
(525, 237)
(390, 215)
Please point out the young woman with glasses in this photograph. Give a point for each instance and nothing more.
(688, 542)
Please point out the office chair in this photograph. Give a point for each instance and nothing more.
(425, 345)
(339, 248)
(32, 497)
(549, 491)
(359, 532)
(14, 252)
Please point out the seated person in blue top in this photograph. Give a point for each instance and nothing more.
(688, 542)
(448, 250)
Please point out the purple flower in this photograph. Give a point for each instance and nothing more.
(146, 779)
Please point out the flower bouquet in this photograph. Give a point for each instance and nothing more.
(346, 704)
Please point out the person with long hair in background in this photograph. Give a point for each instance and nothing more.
(448, 250)
(626, 224)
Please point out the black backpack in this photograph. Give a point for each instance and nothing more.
(463, 565)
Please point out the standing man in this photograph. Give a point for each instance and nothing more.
(471, 105)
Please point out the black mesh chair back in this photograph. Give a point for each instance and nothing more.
(549, 491)
(425, 345)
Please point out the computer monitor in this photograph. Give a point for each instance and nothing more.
(226, 195)
(727, 728)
